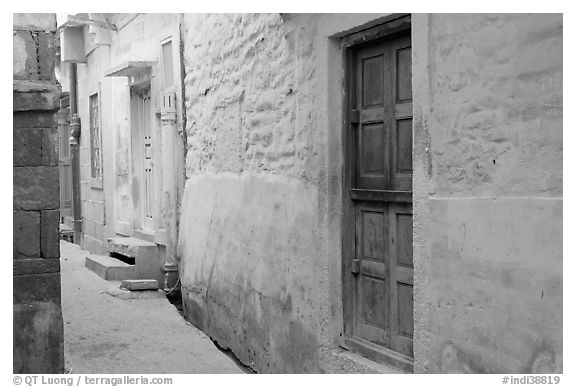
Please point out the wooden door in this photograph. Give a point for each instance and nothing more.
(143, 154)
(64, 163)
(380, 195)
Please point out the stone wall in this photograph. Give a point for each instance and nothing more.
(488, 193)
(38, 328)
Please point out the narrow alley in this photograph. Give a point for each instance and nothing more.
(314, 193)
(109, 334)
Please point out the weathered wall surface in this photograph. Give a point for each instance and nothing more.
(37, 329)
(488, 193)
(139, 38)
(108, 204)
(260, 226)
(91, 81)
(260, 240)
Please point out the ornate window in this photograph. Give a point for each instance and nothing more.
(95, 138)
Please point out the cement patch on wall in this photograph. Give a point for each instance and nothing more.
(496, 285)
(248, 267)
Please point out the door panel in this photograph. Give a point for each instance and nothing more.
(404, 72)
(380, 186)
(371, 273)
(372, 91)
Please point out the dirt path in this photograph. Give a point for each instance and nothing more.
(106, 334)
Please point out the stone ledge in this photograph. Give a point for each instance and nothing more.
(30, 86)
(35, 95)
(36, 266)
(109, 268)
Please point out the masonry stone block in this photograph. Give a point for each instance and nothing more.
(33, 55)
(27, 146)
(49, 241)
(140, 284)
(38, 327)
(38, 119)
(50, 146)
(36, 288)
(36, 188)
(46, 55)
(38, 337)
(26, 239)
(34, 21)
(24, 61)
(35, 100)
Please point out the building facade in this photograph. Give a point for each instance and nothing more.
(377, 184)
(131, 143)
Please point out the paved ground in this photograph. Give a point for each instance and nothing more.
(107, 334)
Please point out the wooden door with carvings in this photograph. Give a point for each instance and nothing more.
(379, 193)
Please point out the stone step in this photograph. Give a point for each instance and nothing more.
(65, 228)
(123, 294)
(140, 284)
(145, 254)
(130, 246)
(111, 269)
(66, 233)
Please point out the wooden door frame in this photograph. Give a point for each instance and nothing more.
(389, 27)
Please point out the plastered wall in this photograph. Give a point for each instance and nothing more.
(91, 81)
(260, 243)
(260, 228)
(488, 193)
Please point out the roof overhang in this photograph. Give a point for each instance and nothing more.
(79, 21)
(130, 69)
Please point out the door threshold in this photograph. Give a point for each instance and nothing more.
(380, 354)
